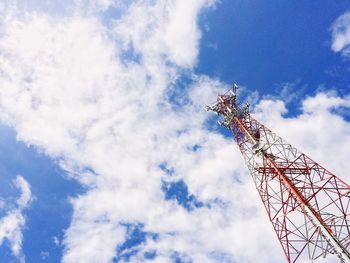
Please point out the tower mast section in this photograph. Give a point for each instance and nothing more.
(308, 206)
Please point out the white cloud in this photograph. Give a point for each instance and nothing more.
(341, 34)
(12, 223)
(98, 97)
(56, 241)
(162, 28)
(26, 195)
(44, 255)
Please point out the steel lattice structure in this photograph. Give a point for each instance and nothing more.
(308, 206)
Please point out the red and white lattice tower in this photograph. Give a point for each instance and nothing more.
(308, 206)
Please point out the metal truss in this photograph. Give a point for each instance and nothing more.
(308, 206)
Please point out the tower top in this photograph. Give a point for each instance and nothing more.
(227, 106)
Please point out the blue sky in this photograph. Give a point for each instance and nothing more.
(104, 121)
(263, 44)
(51, 188)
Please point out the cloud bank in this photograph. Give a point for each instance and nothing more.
(107, 97)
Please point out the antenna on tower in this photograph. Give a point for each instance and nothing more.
(308, 206)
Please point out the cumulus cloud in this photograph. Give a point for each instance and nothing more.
(162, 29)
(104, 100)
(341, 34)
(12, 223)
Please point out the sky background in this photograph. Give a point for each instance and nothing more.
(107, 154)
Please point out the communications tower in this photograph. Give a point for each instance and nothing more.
(308, 206)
